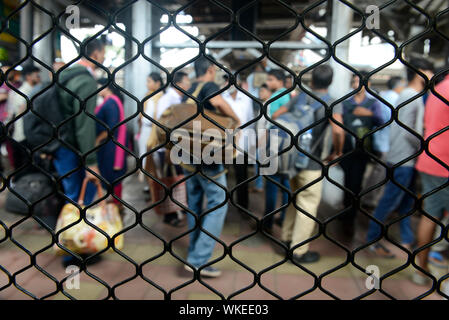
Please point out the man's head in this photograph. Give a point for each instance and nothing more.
(264, 92)
(275, 79)
(31, 74)
(423, 65)
(181, 79)
(95, 50)
(322, 77)
(396, 84)
(205, 69)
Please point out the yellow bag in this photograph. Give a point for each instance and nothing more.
(81, 238)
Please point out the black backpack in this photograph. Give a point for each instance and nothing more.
(359, 125)
(33, 187)
(48, 106)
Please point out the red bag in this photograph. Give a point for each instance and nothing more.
(179, 192)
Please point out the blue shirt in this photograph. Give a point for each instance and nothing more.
(279, 102)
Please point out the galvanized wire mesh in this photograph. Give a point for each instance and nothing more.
(235, 22)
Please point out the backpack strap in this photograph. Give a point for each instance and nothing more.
(326, 98)
(196, 93)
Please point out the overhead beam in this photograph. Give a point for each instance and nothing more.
(293, 45)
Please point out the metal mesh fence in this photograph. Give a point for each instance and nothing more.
(330, 48)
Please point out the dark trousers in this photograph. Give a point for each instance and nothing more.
(20, 158)
(394, 198)
(241, 175)
(271, 196)
(354, 168)
(242, 192)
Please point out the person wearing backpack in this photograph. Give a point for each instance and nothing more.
(297, 226)
(201, 245)
(362, 113)
(79, 132)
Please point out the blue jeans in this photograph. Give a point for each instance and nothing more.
(258, 182)
(393, 199)
(271, 195)
(201, 245)
(65, 161)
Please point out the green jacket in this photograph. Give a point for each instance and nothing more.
(79, 132)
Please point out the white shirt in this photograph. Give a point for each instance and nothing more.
(149, 111)
(171, 97)
(149, 108)
(242, 105)
(17, 104)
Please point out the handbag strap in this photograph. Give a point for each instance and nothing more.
(83, 191)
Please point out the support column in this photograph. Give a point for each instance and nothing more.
(142, 21)
(341, 22)
(26, 27)
(43, 49)
(141, 29)
(155, 26)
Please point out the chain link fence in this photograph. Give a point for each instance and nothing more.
(328, 53)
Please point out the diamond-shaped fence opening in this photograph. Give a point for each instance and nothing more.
(340, 215)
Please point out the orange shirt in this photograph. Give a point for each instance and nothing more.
(436, 117)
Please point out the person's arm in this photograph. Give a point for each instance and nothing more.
(85, 125)
(378, 114)
(280, 111)
(338, 133)
(362, 111)
(109, 114)
(220, 103)
(102, 136)
(285, 108)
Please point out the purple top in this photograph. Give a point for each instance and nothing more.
(375, 107)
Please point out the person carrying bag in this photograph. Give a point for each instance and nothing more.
(82, 238)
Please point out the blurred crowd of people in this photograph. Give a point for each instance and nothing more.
(394, 151)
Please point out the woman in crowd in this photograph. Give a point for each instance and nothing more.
(111, 157)
(154, 83)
